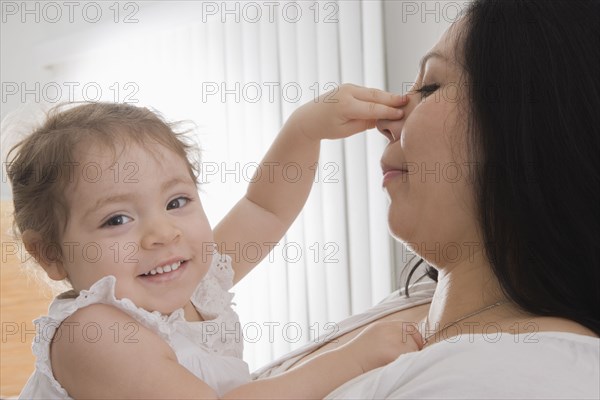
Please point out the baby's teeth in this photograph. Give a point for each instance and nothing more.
(166, 268)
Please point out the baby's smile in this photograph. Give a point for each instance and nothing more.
(164, 268)
(165, 272)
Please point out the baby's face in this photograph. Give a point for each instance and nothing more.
(137, 217)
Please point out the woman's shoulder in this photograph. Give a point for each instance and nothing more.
(556, 324)
(524, 342)
(564, 364)
(505, 350)
(502, 365)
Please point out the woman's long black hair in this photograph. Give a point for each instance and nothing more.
(532, 68)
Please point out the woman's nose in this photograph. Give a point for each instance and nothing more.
(160, 232)
(391, 128)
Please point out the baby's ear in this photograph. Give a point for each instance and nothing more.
(46, 255)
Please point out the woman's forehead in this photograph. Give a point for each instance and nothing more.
(449, 43)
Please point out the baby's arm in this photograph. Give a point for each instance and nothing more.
(124, 361)
(274, 199)
(117, 364)
(378, 345)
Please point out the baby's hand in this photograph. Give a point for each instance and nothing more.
(346, 110)
(383, 342)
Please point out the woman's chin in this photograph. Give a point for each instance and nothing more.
(399, 226)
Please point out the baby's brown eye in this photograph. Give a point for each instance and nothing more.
(117, 220)
(177, 203)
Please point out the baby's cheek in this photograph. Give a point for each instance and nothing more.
(205, 244)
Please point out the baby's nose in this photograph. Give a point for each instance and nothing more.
(160, 234)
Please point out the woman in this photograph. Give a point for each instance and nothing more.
(506, 108)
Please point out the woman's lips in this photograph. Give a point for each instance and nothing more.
(393, 174)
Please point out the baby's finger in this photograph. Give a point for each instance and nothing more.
(379, 96)
(372, 110)
(360, 125)
(413, 330)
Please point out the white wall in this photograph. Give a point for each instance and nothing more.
(37, 37)
(411, 29)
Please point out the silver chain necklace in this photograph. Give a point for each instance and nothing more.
(426, 340)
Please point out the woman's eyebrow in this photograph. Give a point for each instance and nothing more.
(431, 54)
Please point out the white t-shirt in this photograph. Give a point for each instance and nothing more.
(211, 349)
(542, 365)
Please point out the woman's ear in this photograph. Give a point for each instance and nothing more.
(47, 255)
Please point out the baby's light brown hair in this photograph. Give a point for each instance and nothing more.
(40, 167)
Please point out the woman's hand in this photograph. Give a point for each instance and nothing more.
(345, 111)
(382, 343)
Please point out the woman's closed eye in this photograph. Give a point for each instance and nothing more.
(117, 220)
(426, 90)
(178, 202)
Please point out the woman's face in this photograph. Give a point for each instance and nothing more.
(425, 165)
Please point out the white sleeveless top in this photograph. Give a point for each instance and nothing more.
(211, 349)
